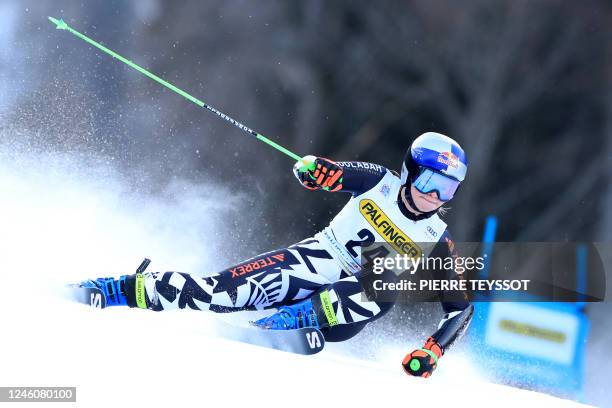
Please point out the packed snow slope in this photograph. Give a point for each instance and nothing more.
(65, 218)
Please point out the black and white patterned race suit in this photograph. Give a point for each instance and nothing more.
(328, 264)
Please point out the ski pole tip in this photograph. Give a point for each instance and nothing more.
(59, 24)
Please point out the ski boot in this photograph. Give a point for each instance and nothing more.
(296, 316)
(103, 292)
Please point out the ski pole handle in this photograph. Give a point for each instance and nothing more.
(306, 164)
(422, 362)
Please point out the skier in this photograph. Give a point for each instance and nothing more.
(316, 282)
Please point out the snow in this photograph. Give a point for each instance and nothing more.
(130, 357)
(65, 218)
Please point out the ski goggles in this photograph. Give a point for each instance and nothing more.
(429, 180)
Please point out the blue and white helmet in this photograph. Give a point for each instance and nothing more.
(436, 152)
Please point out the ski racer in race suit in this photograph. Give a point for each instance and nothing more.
(316, 282)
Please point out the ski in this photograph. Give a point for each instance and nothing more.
(88, 296)
(304, 341)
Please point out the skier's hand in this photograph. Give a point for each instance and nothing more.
(422, 362)
(318, 173)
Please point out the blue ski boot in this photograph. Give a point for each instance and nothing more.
(291, 317)
(101, 292)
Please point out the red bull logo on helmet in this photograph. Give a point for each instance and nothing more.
(448, 158)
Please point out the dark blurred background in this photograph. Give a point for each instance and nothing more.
(524, 86)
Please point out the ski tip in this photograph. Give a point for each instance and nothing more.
(59, 24)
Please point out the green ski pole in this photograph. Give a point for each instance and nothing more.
(61, 25)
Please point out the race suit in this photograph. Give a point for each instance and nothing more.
(328, 264)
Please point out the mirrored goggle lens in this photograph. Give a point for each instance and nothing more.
(428, 181)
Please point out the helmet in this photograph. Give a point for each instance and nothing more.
(435, 162)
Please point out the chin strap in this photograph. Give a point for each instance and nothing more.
(406, 211)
